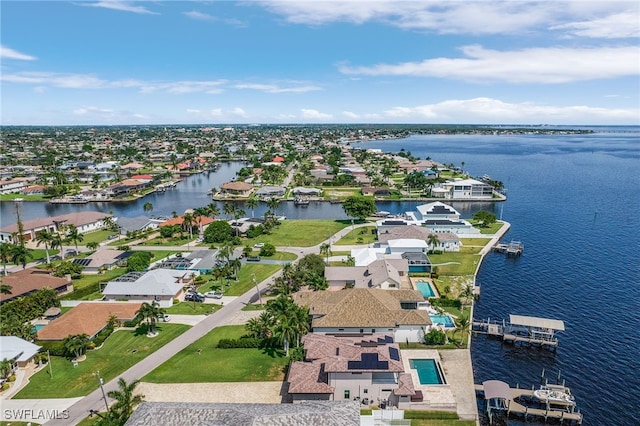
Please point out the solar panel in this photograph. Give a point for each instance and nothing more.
(83, 262)
(394, 354)
(369, 361)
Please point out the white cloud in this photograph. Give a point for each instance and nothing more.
(272, 88)
(619, 25)
(124, 6)
(7, 53)
(312, 114)
(193, 111)
(93, 111)
(200, 16)
(495, 111)
(216, 112)
(239, 112)
(457, 17)
(182, 87)
(533, 65)
(350, 114)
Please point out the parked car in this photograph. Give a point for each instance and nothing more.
(194, 297)
(253, 258)
(259, 245)
(164, 318)
(213, 295)
(112, 236)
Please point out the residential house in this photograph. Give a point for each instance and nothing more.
(381, 273)
(26, 281)
(447, 242)
(200, 261)
(87, 318)
(375, 191)
(437, 217)
(366, 369)
(159, 285)
(102, 259)
(237, 188)
(270, 191)
(13, 186)
(34, 190)
(378, 311)
(135, 224)
(467, 189)
(83, 221)
(17, 351)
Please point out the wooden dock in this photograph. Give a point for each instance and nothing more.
(561, 412)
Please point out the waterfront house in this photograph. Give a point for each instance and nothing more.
(102, 259)
(159, 285)
(466, 189)
(34, 190)
(447, 241)
(379, 311)
(26, 281)
(270, 191)
(437, 217)
(12, 186)
(87, 318)
(366, 369)
(83, 221)
(134, 224)
(237, 188)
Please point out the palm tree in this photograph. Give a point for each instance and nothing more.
(56, 242)
(5, 253)
(325, 249)
(187, 222)
(74, 236)
(285, 331)
(235, 264)
(109, 224)
(20, 255)
(147, 207)
(199, 213)
(226, 251)
(126, 401)
(213, 210)
(92, 245)
(45, 237)
(252, 203)
(462, 323)
(229, 209)
(150, 312)
(76, 344)
(273, 204)
(433, 241)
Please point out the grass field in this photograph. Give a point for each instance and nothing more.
(358, 236)
(191, 308)
(280, 255)
(462, 263)
(203, 362)
(301, 233)
(120, 351)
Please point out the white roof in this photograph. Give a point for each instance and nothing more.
(407, 243)
(364, 256)
(158, 282)
(17, 349)
(536, 322)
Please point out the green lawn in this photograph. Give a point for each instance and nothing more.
(491, 229)
(254, 307)
(202, 362)
(121, 350)
(280, 255)
(301, 233)
(464, 262)
(359, 236)
(192, 308)
(245, 278)
(475, 242)
(96, 236)
(89, 279)
(41, 254)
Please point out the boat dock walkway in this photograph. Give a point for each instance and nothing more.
(562, 412)
(521, 330)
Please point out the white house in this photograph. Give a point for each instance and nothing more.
(18, 351)
(159, 285)
(381, 273)
(437, 217)
(464, 189)
(83, 221)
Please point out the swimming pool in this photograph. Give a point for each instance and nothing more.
(429, 372)
(425, 288)
(37, 327)
(444, 320)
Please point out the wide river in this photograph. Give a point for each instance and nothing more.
(573, 200)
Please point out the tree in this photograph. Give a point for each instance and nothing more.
(150, 312)
(325, 249)
(462, 322)
(76, 345)
(187, 222)
(218, 232)
(317, 282)
(229, 209)
(92, 245)
(485, 218)
(267, 250)
(433, 241)
(138, 261)
(359, 207)
(312, 263)
(252, 203)
(213, 210)
(5, 368)
(125, 402)
(5, 255)
(5, 289)
(147, 207)
(74, 236)
(20, 255)
(199, 213)
(46, 238)
(272, 204)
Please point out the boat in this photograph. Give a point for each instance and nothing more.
(299, 201)
(17, 200)
(554, 394)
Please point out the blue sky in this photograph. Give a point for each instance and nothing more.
(210, 62)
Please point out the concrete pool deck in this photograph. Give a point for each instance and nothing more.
(458, 393)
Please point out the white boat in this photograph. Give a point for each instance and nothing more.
(17, 200)
(554, 394)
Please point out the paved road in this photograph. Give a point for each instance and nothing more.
(95, 401)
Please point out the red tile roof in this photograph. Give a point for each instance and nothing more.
(29, 280)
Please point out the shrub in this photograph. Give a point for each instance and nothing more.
(446, 303)
(138, 261)
(268, 250)
(55, 348)
(435, 337)
(133, 323)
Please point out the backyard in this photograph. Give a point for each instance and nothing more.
(120, 351)
(222, 365)
(302, 233)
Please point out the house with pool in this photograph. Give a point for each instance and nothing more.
(436, 217)
(447, 241)
(392, 312)
(381, 273)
